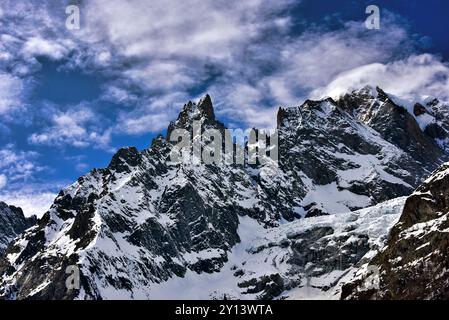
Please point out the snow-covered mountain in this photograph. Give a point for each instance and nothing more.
(144, 225)
(414, 264)
(306, 259)
(12, 223)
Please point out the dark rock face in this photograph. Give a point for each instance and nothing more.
(419, 109)
(434, 131)
(414, 264)
(317, 250)
(12, 223)
(125, 158)
(266, 287)
(203, 111)
(438, 128)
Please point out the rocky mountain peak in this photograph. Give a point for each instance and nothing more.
(12, 223)
(124, 158)
(206, 108)
(397, 121)
(203, 111)
(158, 142)
(368, 92)
(281, 114)
(286, 115)
(330, 137)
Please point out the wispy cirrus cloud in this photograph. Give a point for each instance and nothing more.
(77, 127)
(18, 165)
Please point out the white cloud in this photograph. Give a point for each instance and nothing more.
(244, 105)
(174, 47)
(316, 57)
(30, 30)
(31, 202)
(146, 123)
(37, 46)
(76, 127)
(103, 58)
(18, 165)
(198, 28)
(162, 76)
(318, 63)
(152, 115)
(411, 78)
(17, 171)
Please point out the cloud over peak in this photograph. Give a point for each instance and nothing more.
(410, 78)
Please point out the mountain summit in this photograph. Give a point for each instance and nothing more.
(203, 112)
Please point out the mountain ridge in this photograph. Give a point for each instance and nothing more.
(143, 220)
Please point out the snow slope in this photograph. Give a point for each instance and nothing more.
(265, 252)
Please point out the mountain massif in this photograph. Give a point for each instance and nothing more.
(307, 226)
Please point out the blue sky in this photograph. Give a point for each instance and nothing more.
(70, 98)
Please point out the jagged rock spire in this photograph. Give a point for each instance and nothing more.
(202, 111)
(206, 108)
